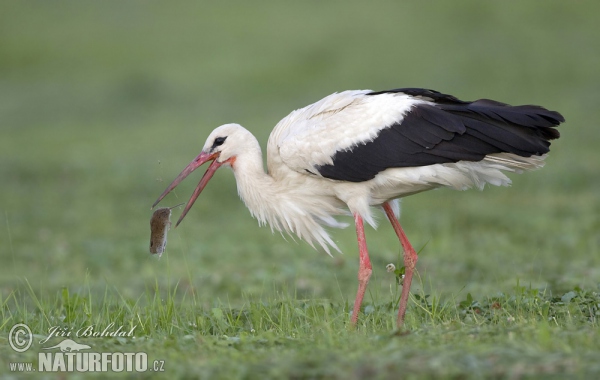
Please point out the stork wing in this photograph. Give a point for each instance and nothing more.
(354, 135)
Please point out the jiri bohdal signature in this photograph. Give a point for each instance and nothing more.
(92, 331)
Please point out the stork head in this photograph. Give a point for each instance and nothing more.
(222, 147)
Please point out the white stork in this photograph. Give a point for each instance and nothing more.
(357, 150)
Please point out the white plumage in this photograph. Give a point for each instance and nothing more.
(356, 150)
(311, 135)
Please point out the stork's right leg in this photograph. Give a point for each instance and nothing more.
(410, 261)
(364, 268)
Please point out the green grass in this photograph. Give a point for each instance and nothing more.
(102, 104)
(526, 332)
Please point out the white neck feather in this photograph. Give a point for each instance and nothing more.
(282, 207)
(255, 187)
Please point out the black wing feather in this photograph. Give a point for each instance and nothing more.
(451, 130)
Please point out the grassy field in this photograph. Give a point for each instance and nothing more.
(103, 103)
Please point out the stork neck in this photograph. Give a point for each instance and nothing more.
(255, 187)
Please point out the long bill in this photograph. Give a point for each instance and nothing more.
(195, 164)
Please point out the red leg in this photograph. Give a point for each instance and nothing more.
(410, 261)
(364, 268)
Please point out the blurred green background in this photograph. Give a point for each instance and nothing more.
(103, 103)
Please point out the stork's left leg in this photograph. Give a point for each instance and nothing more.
(364, 267)
(410, 262)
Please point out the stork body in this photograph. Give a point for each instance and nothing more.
(355, 151)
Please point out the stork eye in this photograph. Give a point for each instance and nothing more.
(218, 141)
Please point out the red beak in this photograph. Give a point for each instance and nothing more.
(196, 163)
